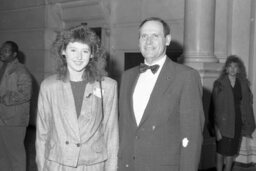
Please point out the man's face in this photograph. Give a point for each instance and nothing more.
(152, 41)
(6, 53)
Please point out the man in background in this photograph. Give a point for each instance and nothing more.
(161, 112)
(15, 95)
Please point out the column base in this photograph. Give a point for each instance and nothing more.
(206, 69)
(201, 58)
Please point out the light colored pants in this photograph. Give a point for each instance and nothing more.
(12, 149)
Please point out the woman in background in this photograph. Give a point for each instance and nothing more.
(77, 127)
(232, 111)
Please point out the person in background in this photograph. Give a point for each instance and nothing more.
(233, 112)
(161, 112)
(77, 122)
(15, 96)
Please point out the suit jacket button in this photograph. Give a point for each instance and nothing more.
(67, 142)
(133, 157)
(127, 165)
(78, 144)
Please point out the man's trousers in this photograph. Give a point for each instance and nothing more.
(12, 149)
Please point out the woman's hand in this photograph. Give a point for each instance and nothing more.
(218, 134)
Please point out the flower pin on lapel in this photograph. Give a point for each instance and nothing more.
(185, 142)
(97, 92)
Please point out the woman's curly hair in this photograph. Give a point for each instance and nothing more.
(95, 69)
(234, 59)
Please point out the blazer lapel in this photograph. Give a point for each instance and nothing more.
(163, 82)
(86, 108)
(69, 113)
(90, 115)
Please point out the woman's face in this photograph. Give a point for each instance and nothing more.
(152, 41)
(77, 55)
(232, 69)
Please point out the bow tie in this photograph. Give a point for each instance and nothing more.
(144, 67)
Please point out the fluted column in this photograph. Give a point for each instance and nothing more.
(199, 31)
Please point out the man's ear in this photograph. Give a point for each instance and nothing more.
(168, 39)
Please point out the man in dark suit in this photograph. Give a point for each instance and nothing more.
(161, 113)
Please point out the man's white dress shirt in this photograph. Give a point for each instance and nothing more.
(144, 88)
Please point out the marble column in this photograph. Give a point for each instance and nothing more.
(199, 31)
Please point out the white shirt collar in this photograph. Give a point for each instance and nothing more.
(160, 62)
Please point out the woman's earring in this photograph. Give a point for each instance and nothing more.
(91, 58)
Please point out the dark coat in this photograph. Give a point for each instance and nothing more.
(173, 115)
(224, 109)
(15, 91)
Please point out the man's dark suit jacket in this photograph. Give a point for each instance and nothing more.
(169, 136)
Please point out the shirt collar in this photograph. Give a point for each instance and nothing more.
(159, 62)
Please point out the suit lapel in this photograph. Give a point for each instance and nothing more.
(163, 82)
(132, 81)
